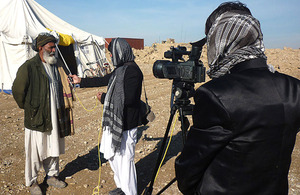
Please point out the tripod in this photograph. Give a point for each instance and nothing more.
(182, 104)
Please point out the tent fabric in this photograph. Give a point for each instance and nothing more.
(22, 20)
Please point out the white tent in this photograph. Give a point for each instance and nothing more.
(22, 20)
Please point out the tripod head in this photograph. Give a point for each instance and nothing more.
(180, 97)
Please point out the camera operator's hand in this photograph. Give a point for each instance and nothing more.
(99, 95)
(75, 78)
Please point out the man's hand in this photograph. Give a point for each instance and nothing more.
(76, 79)
(99, 94)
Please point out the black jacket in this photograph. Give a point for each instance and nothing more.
(244, 130)
(132, 87)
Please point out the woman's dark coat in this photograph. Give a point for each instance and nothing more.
(132, 87)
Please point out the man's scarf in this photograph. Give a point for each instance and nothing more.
(68, 102)
(114, 107)
(233, 38)
(54, 78)
(63, 105)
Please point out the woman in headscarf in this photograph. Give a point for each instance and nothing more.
(120, 114)
(245, 119)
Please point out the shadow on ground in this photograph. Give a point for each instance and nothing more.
(88, 161)
(144, 166)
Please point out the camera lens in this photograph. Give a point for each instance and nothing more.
(158, 68)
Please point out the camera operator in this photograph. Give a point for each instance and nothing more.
(245, 119)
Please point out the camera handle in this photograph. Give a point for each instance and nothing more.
(184, 127)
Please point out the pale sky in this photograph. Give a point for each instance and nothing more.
(182, 20)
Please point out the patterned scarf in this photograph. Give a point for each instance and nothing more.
(68, 101)
(113, 110)
(233, 38)
(114, 107)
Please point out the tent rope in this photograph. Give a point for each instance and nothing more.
(96, 190)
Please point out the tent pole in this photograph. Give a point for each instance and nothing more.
(66, 65)
(62, 57)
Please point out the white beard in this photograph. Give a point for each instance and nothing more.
(49, 57)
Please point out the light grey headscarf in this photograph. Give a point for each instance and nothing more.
(121, 52)
(233, 38)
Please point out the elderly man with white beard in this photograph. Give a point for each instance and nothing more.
(39, 88)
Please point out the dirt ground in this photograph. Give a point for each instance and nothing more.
(79, 165)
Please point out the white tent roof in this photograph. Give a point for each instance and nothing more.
(19, 18)
(20, 22)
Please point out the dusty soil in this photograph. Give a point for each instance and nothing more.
(79, 166)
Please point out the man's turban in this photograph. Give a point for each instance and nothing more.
(42, 39)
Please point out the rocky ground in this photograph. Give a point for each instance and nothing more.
(80, 165)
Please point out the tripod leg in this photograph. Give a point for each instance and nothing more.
(149, 189)
(184, 127)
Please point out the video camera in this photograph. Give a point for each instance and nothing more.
(191, 71)
(184, 74)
